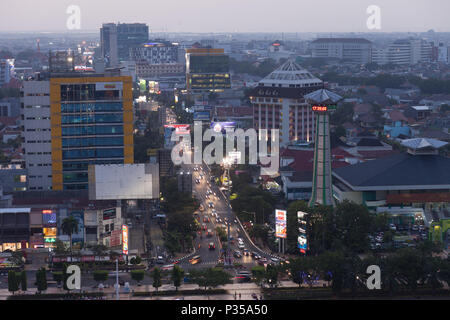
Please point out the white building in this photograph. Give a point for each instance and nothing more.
(278, 103)
(403, 52)
(37, 134)
(357, 50)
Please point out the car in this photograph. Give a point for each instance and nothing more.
(242, 247)
(211, 205)
(275, 260)
(235, 221)
(219, 220)
(195, 260)
(205, 219)
(160, 260)
(209, 233)
(212, 246)
(204, 227)
(206, 196)
(246, 252)
(167, 267)
(214, 211)
(237, 254)
(197, 181)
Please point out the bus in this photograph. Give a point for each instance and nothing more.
(195, 260)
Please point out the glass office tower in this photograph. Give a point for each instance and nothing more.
(91, 123)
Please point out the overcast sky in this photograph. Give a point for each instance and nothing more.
(229, 15)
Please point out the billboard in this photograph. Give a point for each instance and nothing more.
(79, 235)
(302, 240)
(48, 218)
(202, 116)
(223, 126)
(109, 214)
(179, 128)
(280, 224)
(125, 239)
(115, 238)
(124, 181)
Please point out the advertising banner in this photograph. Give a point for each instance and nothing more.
(280, 224)
(125, 239)
(302, 240)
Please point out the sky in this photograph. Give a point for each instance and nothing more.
(228, 15)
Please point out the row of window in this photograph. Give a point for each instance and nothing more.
(92, 118)
(92, 142)
(92, 153)
(83, 165)
(37, 118)
(39, 141)
(91, 107)
(38, 153)
(40, 164)
(92, 130)
(38, 129)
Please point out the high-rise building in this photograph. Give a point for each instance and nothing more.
(6, 71)
(73, 120)
(207, 70)
(278, 103)
(442, 53)
(356, 50)
(185, 182)
(130, 35)
(117, 40)
(403, 52)
(108, 43)
(156, 52)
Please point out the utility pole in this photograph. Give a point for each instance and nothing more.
(117, 279)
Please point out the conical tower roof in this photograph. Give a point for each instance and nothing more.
(290, 74)
(323, 96)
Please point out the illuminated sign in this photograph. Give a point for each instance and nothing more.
(48, 217)
(125, 239)
(323, 108)
(280, 224)
(223, 126)
(179, 128)
(109, 214)
(302, 240)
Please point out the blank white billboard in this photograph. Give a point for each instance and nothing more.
(123, 181)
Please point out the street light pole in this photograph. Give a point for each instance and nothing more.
(117, 279)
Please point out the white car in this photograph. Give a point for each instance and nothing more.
(241, 246)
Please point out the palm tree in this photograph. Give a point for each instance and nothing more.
(69, 226)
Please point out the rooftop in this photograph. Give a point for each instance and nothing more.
(398, 172)
(290, 73)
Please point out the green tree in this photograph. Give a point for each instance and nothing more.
(23, 280)
(57, 276)
(137, 275)
(210, 278)
(69, 226)
(101, 275)
(177, 276)
(60, 248)
(271, 275)
(259, 274)
(41, 280)
(13, 282)
(156, 276)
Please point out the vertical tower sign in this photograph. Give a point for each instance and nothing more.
(280, 224)
(125, 239)
(323, 102)
(302, 242)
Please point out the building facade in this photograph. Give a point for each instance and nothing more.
(71, 121)
(356, 50)
(278, 103)
(207, 70)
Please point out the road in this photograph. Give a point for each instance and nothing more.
(210, 222)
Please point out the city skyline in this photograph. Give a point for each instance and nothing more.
(202, 16)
